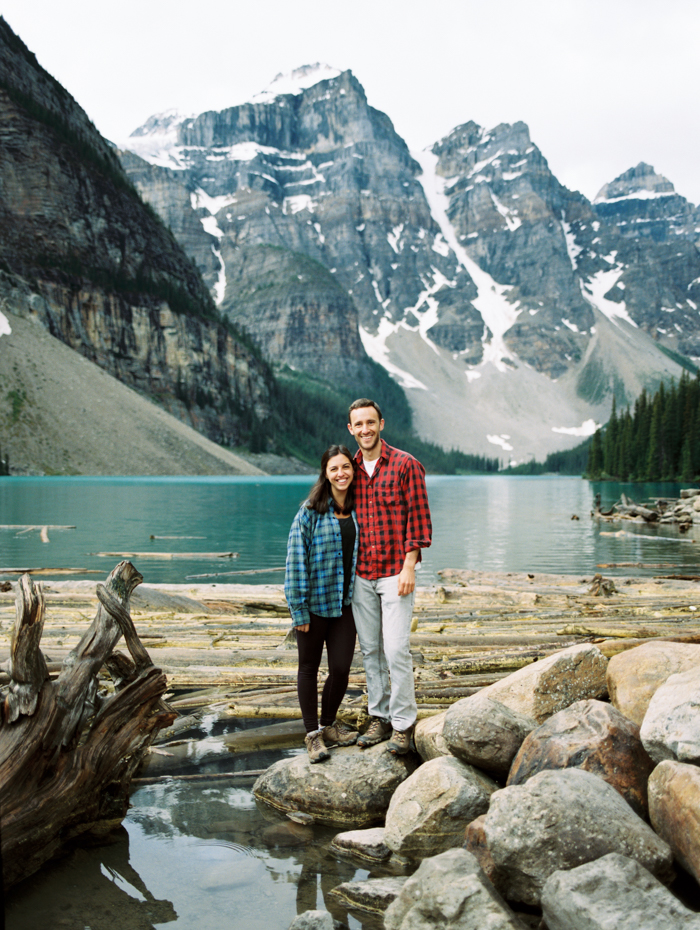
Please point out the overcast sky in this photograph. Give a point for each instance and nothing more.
(603, 84)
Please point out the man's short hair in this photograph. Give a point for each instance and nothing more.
(363, 402)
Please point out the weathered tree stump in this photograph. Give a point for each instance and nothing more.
(68, 751)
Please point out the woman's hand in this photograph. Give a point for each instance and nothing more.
(304, 628)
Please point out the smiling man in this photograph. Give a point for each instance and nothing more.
(393, 515)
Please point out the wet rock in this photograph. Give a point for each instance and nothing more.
(374, 894)
(614, 891)
(634, 675)
(428, 738)
(674, 810)
(548, 686)
(430, 809)
(362, 844)
(486, 733)
(287, 834)
(592, 736)
(559, 820)
(316, 920)
(450, 891)
(671, 725)
(353, 787)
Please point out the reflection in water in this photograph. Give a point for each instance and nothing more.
(193, 854)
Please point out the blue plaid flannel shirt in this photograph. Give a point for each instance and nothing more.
(313, 581)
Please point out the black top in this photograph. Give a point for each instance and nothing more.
(347, 536)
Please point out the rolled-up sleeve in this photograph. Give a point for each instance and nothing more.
(419, 527)
(296, 577)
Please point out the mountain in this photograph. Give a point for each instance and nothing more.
(81, 253)
(508, 307)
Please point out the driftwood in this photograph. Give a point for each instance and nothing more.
(68, 750)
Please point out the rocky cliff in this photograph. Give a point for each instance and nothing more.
(82, 253)
(510, 308)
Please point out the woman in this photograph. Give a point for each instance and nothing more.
(321, 559)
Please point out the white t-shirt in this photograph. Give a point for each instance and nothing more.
(369, 466)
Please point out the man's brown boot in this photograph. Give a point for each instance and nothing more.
(377, 731)
(401, 741)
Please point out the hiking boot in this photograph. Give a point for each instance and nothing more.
(338, 734)
(315, 747)
(401, 741)
(377, 731)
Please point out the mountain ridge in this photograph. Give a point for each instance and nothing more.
(475, 276)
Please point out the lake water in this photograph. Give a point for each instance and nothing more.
(204, 855)
(480, 522)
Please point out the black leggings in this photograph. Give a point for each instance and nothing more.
(338, 633)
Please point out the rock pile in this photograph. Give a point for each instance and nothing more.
(537, 794)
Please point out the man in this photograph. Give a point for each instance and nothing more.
(394, 524)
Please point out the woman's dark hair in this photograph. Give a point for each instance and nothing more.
(321, 492)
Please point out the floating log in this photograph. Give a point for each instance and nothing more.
(167, 555)
(68, 750)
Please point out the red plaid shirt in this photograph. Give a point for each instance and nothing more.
(392, 512)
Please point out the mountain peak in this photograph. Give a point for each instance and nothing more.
(640, 182)
(296, 81)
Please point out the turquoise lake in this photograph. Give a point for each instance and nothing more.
(484, 523)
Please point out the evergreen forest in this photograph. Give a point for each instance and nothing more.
(658, 441)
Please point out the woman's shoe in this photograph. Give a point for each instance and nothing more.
(338, 734)
(316, 747)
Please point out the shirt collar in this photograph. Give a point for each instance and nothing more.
(384, 454)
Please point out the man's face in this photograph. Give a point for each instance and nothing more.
(366, 427)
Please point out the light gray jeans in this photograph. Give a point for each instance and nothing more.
(383, 623)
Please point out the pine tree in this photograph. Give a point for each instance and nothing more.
(595, 457)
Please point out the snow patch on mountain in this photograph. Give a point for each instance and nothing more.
(572, 246)
(220, 286)
(156, 140)
(587, 428)
(496, 311)
(5, 329)
(376, 348)
(200, 200)
(597, 287)
(295, 82)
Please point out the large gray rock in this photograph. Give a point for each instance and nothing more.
(484, 732)
(548, 686)
(429, 739)
(450, 892)
(373, 895)
(366, 844)
(593, 736)
(559, 820)
(671, 726)
(430, 810)
(353, 787)
(634, 676)
(612, 892)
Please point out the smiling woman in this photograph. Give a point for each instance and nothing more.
(320, 571)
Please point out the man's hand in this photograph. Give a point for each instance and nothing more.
(407, 576)
(304, 628)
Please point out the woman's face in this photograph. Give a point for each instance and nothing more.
(339, 472)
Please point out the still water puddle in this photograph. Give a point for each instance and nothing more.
(193, 854)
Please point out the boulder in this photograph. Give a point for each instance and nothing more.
(428, 738)
(560, 819)
(614, 891)
(362, 844)
(486, 733)
(353, 787)
(374, 894)
(545, 687)
(475, 843)
(592, 736)
(315, 920)
(431, 808)
(634, 675)
(671, 725)
(674, 811)
(450, 892)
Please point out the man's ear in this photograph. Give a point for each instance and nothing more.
(350, 428)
